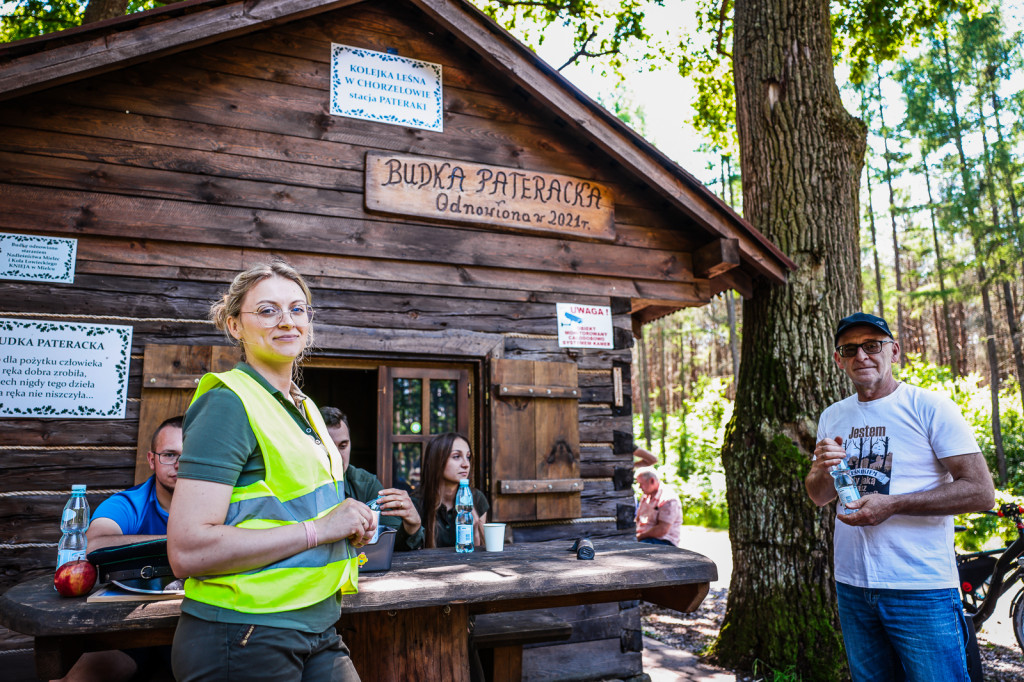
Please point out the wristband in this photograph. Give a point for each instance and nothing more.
(311, 540)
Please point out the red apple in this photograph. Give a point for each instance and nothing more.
(75, 578)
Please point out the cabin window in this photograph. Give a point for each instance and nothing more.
(393, 410)
(423, 403)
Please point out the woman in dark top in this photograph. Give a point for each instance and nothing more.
(446, 460)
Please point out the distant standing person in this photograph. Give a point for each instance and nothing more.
(659, 513)
(397, 509)
(134, 515)
(446, 460)
(260, 523)
(917, 464)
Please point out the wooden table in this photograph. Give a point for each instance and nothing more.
(409, 623)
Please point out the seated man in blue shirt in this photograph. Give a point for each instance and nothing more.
(397, 509)
(140, 513)
(134, 515)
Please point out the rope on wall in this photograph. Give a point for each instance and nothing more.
(75, 316)
(29, 493)
(48, 448)
(518, 335)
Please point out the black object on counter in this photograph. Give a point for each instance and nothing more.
(585, 549)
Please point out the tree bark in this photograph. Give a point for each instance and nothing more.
(801, 158)
(98, 10)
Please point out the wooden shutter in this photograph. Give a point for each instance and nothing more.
(535, 442)
(170, 375)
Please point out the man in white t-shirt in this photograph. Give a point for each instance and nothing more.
(916, 463)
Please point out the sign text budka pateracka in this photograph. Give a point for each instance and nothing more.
(462, 192)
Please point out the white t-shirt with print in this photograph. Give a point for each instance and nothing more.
(894, 445)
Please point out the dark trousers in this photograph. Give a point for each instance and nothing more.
(222, 652)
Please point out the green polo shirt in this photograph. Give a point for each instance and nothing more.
(220, 447)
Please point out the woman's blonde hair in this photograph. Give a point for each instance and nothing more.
(230, 304)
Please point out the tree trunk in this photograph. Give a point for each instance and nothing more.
(663, 390)
(901, 328)
(645, 393)
(874, 243)
(801, 158)
(98, 10)
(951, 344)
(734, 345)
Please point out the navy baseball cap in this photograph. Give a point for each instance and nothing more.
(862, 319)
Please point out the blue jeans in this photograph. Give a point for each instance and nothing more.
(657, 541)
(914, 635)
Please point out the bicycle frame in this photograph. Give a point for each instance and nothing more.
(1006, 563)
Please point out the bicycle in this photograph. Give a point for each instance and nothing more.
(983, 575)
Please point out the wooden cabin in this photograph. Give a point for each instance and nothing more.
(173, 148)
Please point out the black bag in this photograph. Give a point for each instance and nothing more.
(378, 555)
(138, 567)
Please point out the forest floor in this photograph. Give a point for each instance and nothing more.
(694, 632)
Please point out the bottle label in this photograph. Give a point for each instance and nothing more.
(463, 535)
(66, 555)
(847, 495)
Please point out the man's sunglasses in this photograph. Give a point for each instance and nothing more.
(849, 350)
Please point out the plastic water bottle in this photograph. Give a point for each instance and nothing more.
(73, 523)
(374, 506)
(464, 517)
(845, 486)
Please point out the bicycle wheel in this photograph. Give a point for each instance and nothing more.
(1017, 616)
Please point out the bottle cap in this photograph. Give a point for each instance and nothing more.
(463, 481)
(78, 488)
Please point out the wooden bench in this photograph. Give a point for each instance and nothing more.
(499, 637)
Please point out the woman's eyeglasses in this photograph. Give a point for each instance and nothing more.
(271, 316)
(848, 350)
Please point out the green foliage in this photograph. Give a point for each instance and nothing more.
(975, 402)
(763, 671)
(31, 18)
(692, 463)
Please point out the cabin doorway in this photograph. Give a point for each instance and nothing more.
(394, 410)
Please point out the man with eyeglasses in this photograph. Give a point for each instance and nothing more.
(140, 513)
(134, 515)
(917, 463)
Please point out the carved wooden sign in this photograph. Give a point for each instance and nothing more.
(462, 192)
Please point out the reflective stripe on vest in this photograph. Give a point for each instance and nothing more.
(298, 485)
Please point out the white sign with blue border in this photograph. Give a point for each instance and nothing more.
(38, 259)
(584, 326)
(63, 369)
(386, 88)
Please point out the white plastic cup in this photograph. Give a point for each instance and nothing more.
(494, 536)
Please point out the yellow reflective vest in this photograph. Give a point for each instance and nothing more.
(299, 486)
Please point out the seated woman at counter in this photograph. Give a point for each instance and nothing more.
(446, 460)
(259, 518)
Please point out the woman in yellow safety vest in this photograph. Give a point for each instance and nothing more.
(259, 521)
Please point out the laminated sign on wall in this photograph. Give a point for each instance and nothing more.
(584, 326)
(382, 87)
(63, 369)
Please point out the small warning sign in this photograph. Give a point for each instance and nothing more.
(584, 326)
